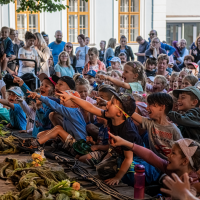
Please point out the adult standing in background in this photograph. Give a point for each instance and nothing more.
(123, 48)
(142, 48)
(102, 50)
(43, 53)
(109, 53)
(69, 49)
(81, 54)
(46, 37)
(87, 41)
(183, 52)
(196, 50)
(168, 48)
(57, 46)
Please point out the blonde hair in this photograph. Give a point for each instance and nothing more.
(5, 27)
(175, 75)
(68, 62)
(118, 73)
(138, 68)
(163, 80)
(111, 43)
(101, 72)
(191, 79)
(82, 81)
(41, 40)
(93, 50)
(183, 40)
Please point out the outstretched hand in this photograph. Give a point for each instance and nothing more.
(102, 77)
(33, 95)
(101, 102)
(18, 80)
(64, 96)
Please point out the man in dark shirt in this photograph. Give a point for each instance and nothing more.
(142, 48)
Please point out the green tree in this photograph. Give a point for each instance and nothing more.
(39, 5)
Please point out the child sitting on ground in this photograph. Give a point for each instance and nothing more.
(116, 64)
(184, 158)
(159, 85)
(6, 49)
(117, 75)
(118, 112)
(74, 126)
(161, 132)
(173, 78)
(47, 88)
(150, 67)
(193, 68)
(17, 115)
(188, 102)
(134, 77)
(189, 80)
(90, 76)
(182, 75)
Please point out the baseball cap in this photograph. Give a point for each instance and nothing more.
(70, 81)
(151, 78)
(17, 90)
(91, 73)
(115, 59)
(192, 89)
(128, 102)
(43, 76)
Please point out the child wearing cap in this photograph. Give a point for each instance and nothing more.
(193, 67)
(90, 76)
(116, 64)
(188, 102)
(74, 126)
(117, 113)
(17, 115)
(161, 132)
(47, 88)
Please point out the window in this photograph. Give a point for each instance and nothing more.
(129, 19)
(26, 21)
(78, 18)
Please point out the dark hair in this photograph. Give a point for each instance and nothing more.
(122, 54)
(154, 31)
(29, 35)
(139, 39)
(195, 157)
(82, 37)
(151, 61)
(107, 89)
(192, 96)
(44, 34)
(123, 37)
(189, 57)
(161, 99)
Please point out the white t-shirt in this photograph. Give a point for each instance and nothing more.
(29, 55)
(2, 83)
(82, 54)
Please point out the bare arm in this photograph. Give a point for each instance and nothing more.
(140, 54)
(58, 74)
(7, 103)
(137, 117)
(86, 59)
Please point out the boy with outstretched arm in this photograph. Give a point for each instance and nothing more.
(117, 113)
(188, 102)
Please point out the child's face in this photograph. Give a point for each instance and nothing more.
(175, 159)
(128, 74)
(150, 67)
(98, 80)
(149, 81)
(111, 110)
(115, 75)
(61, 86)
(115, 65)
(172, 80)
(91, 79)
(83, 91)
(5, 33)
(162, 65)
(157, 85)
(50, 61)
(155, 110)
(192, 69)
(185, 83)
(185, 102)
(104, 96)
(181, 77)
(12, 97)
(187, 61)
(46, 87)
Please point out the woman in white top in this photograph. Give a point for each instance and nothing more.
(109, 51)
(43, 52)
(27, 52)
(81, 54)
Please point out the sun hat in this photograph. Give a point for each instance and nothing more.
(116, 59)
(17, 90)
(91, 73)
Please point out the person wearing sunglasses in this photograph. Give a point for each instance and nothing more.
(46, 37)
(166, 47)
(69, 49)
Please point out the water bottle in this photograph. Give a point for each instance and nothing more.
(139, 182)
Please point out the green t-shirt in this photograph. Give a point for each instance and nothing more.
(135, 87)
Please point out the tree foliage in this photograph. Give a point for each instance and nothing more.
(39, 5)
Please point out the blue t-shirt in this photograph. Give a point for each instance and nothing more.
(18, 117)
(102, 138)
(65, 71)
(73, 123)
(56, 49)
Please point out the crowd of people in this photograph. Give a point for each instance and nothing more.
(140, 112)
